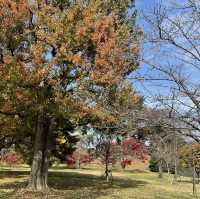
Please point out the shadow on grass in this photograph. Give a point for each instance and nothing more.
(13, 174)
(135, 171)
(5, 195)
(72, 184)
(185, 181)
(75, 181)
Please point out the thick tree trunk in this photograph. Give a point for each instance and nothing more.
(36, 180)
(40, 163)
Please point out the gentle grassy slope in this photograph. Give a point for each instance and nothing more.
(86, 184)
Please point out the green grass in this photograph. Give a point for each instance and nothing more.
(87, 184)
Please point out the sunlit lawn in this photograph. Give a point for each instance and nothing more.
(87, 184)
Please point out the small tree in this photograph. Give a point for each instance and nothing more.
(132, 149)
(110, 152)
(105, 151)
(190, 158)
(79, 157)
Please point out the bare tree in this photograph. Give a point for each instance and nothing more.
(175, 37)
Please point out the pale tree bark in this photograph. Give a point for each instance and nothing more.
(160, 169)
(198, 174)
(78, 164)
(175, 159)
(168, 169)
(194, 189)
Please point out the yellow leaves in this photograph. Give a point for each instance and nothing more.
(61, 139)
(41, 35)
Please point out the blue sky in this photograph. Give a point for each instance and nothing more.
(145, 87)
(144, 4)
(152, 88)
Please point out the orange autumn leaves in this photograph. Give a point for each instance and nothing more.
(111, 47)
(78, 44)
(13, 15)
(77, 111)
(108, 59)
(80, 27)
(13, 11)
(86, 29)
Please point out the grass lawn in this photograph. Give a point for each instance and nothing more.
(87, 184)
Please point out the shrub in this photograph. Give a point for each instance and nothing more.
(10, 158)
(153, 165)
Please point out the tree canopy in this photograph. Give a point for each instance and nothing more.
(59, 60)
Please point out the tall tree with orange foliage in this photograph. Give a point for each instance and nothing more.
(57, 57)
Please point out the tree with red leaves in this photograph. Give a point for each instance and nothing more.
(10, 158)
(110, 152)
(79, 157)
(132, 149)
